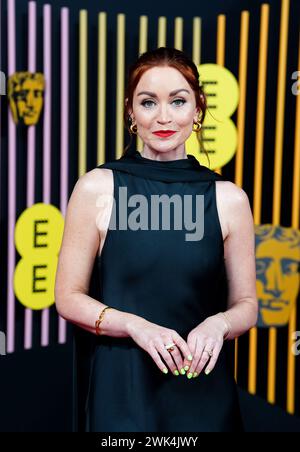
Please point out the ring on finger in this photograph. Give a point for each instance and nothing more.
(210, 352)
(170, 347)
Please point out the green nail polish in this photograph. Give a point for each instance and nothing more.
(190, 357)
(207, 371)
(176, 372)
(186, 367)
(182, 371)
(165, 371)
(195, 374)
(189, 375)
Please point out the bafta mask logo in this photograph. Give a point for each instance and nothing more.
(277, 273)
(25, 93)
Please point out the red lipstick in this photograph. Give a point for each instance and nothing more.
(164, 133)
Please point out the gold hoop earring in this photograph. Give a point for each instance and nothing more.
(131, 128)
(199, 125)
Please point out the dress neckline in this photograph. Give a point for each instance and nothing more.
(139, 156)
(180, 170)
(185, 163)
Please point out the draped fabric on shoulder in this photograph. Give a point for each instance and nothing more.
(180, 170)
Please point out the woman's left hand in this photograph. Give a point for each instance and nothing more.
(206, 341)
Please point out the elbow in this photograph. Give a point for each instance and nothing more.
(250, 313)
(59, 309)
(60, 304)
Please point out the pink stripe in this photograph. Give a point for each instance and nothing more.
(47, 141)
(0, 97)
(11, 26)
(32, 37)
(47, 106)
(30, 150)
(0, 36)
(64, 138)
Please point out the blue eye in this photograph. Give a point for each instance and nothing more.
(180, 100)
(145, 102)
(151, 101)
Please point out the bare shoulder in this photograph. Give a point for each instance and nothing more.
(87, 195)
(233, 205)
(94, 182)
(230, 192)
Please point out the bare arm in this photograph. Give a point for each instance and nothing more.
(81, 240)
(239, 253)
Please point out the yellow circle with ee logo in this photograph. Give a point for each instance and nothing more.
(38, 236)
(219, 133)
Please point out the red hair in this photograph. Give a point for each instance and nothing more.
(170, 57)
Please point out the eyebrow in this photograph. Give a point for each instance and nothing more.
(172, 93)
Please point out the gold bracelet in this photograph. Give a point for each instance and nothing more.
(97, 323)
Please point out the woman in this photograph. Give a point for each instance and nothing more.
(169, 299)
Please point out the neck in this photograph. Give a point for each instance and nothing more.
(163, 156)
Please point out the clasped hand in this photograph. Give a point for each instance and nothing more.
(205, 341)
(202, 347)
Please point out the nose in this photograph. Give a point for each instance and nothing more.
(30, 99)
(275, 285)
(163, 115)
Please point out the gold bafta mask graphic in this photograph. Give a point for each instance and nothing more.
(25, 93)
(277, 273)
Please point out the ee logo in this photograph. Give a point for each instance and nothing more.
(38, 237)
(219, 133)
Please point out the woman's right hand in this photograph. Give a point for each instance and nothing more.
(153, 338)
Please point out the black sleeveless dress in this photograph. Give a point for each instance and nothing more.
(170, 280)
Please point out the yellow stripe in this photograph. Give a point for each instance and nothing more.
(243, 58)
(83, 19)
(221, 37)
(243, 69)
(162, 32)
(143, 39)
(236, 352)
(120, 84)
(101, 120)
(197, 28)
(279, 130)
(252, 367)
(178, 35)
(258, 165)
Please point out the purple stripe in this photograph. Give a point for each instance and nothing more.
(64, 137)
(47, 140)
(30, 150)
(11, 39)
